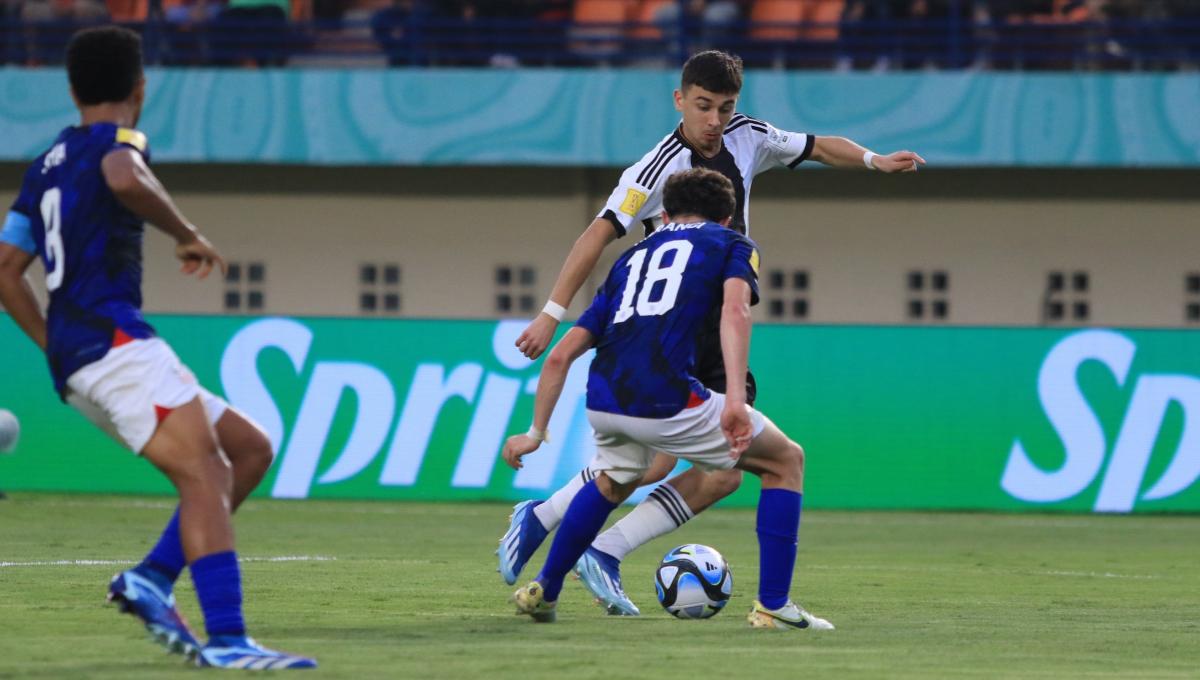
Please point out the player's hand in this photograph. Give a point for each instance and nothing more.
(899, 161)
(198, 257)
(517, 446)
(537, 335)
(735, 425)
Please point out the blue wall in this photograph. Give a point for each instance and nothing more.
(611, 117)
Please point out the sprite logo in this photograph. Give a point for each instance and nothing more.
(396, 426)
(1083, 438)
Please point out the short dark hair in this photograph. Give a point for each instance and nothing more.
(104, 64)
(714, 70)
(699, 191)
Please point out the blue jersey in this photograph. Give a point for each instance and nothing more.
(90, 244)
(650, 312)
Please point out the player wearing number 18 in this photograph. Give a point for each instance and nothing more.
(643, 396)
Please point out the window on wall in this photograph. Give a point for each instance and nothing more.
(927, 296)
(245, 287)
(786, 294)
(515, 290)
(1191, 298)
(1067, 297)
(379, 288)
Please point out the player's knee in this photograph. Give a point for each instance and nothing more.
(725, 482)
(793, 461)
(258, 454)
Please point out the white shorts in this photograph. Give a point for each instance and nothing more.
(626, 446)
(133, 387)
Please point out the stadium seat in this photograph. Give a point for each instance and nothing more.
(777, 20)
(644, 27)
(598, 27)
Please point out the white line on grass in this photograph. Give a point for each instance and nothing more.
(117, 563)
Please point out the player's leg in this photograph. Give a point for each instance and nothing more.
(667, 508)
(185, 449)
(670, 506)
(249, 452)
(622, 461)
(532, 521)
(779, 463)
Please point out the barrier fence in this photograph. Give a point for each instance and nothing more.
(896, 418)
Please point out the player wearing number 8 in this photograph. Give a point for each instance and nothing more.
(81, 208)
(643, 396)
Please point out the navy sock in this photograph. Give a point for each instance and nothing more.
(166, 560)
(218, 584)
(778, 527)
(582, 521)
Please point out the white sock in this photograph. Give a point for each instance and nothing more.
(662, 512)
(551, 512)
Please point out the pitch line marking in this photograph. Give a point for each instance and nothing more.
(118, 563)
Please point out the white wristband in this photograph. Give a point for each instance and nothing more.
(537, 435)
(868, 157)
(554, 310)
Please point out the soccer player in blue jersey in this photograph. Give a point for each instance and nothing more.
(709, 135)
(82, 208)
(643, 396)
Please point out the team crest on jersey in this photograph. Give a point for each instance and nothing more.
(634, 200)
(54, 157)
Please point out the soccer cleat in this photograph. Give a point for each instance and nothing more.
(531, 600)
(242, 652)
(600, 573)
(525, 533)
(135, 594)
(789, 616)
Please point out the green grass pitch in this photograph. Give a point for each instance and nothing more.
(410, 590)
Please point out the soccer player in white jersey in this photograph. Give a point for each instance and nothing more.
(712, 136)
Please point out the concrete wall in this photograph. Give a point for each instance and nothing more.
(858, 237)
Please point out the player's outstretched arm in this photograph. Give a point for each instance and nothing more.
(840, 152)
(550, 386)
(735, 349)
(137, 188)
(16, 295)
(579, 265)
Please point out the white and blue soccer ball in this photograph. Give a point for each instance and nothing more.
(693, 582)
(10, 431)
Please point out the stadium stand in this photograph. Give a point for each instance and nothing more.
(846, 34)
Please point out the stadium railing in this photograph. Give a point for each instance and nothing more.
(950, 42)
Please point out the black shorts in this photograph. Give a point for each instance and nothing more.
(710, 363)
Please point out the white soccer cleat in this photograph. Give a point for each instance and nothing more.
(788, 617)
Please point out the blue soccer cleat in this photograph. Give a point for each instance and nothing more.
(136, 594)
(600, 573)
(525, 533)
(242, 652)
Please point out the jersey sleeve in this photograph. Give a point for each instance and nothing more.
(783, 149)
(133, 139)
(742, 263)
(595, 317)
(18, 225)
(639, 193)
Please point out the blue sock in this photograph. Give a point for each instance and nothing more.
(218, 584)
(583, 520)
(166, 560)
(778, 527)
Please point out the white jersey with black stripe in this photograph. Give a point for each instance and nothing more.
(750, 147)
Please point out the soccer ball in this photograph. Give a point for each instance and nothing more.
(693, 582)
(10, 430)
